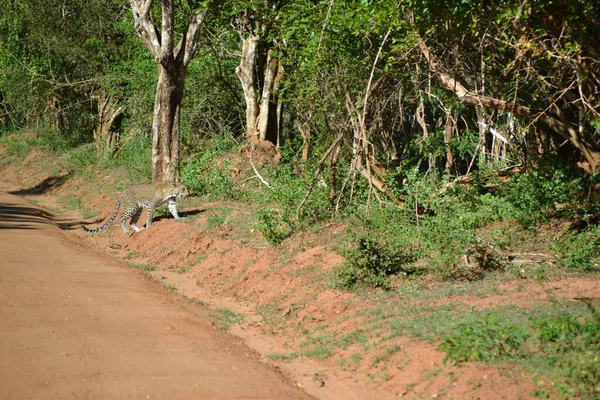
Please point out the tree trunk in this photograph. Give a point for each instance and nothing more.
(172, 64)
(448, 129)
(104, 135)
(260, 74)
(165, 125)
(245, 73)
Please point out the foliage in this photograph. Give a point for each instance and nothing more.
(223, 318)
(370, 264)
(488, 339)
(567, 342)
(537, 194)
(275, 227)
(579, 250)
(207, 172)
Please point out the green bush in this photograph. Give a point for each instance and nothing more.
(572, 345)
(579, 251)
(18, 145)
(536, 195)
(557, 333)
(370, 263)
(275, 227)
(204, 175)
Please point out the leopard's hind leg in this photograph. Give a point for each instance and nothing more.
(134, 219)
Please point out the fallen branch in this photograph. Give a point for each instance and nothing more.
(258, 175)
(467, 97)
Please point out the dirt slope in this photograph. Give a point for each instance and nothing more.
(76, 325)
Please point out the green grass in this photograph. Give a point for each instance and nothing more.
(75, 203)
(224, 318)
(143, 267)
(186, 268)
(281, 356)
(193, 300)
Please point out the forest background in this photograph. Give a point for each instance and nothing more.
(445, 134)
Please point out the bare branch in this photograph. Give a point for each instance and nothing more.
(467, 97)
(318, 172)
(144, 25)
(258, 175)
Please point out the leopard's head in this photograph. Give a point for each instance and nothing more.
(180, 190)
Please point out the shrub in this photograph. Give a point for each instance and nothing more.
(275, 227)
(204, 175)
(579, 251)
(370, 263)
(536, 194)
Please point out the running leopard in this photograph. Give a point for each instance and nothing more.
(136, 198)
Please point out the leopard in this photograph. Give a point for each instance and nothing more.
(149, 196)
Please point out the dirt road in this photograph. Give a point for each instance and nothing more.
(76, 325)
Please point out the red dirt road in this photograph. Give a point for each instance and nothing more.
(76, 325)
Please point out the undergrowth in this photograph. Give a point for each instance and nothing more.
(566, 343)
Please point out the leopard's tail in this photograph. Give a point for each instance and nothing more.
(103, 227)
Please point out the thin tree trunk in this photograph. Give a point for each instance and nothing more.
(448, 129)
(245, 73)
(260, 74)
(165, 125)
(172, 61)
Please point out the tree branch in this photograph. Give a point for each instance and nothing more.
(467, 97)
(144, 25)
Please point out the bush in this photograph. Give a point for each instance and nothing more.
(535, 195)
(579, 251)
(204, 175)
(370, 263)
(275, 227)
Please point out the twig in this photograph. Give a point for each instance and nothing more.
(324, 25)
(258, 175)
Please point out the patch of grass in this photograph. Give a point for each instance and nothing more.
(356, 336)
(489, 339)
(75, 203)
(186, 268)
(561, 344)
(388, 352)
(224, 318)
(318, 347)
(193, 300)
(274, 226)
(170, 287)
(18, 146)
(281, 356)
(144, 267)
(580, 251)
(219, 218)
(353, 360)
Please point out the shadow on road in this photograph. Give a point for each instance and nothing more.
(15, 216)
(45, 185)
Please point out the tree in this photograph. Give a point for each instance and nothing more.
(53, 57)
(260, 72)
(172, 62)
